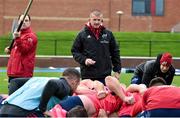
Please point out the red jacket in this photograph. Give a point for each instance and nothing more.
(22, 58)
(161, 97)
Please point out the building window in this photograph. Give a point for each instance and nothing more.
(148, 7)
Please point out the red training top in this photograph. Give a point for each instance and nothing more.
(22, 57)
(161, 97)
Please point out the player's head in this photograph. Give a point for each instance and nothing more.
(165, 62)
(27, 21)
(77, 111)
(73, 77)
(158, 81)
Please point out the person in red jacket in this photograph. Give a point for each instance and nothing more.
(22, 54)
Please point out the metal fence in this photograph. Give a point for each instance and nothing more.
(127, 48)
(149, 48)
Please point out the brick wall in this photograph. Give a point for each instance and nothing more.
(1, 16)
(58, 15)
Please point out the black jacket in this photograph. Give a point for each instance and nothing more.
(151, 69)
(58, 88)
(104, 51)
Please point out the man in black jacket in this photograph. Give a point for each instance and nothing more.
(96, 50)
(161, 67)
(60, 88)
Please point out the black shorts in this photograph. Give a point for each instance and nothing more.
(71, 102)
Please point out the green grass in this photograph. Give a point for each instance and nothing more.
(125, 78)
(131, 43)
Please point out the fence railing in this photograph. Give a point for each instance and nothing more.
(127, 48)
(149, 48)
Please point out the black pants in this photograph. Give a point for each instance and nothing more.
(16, 83)
(8, 110)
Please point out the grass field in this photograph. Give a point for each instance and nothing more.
(125, 78)
(131, 43)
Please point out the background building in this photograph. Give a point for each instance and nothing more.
(61, 15)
